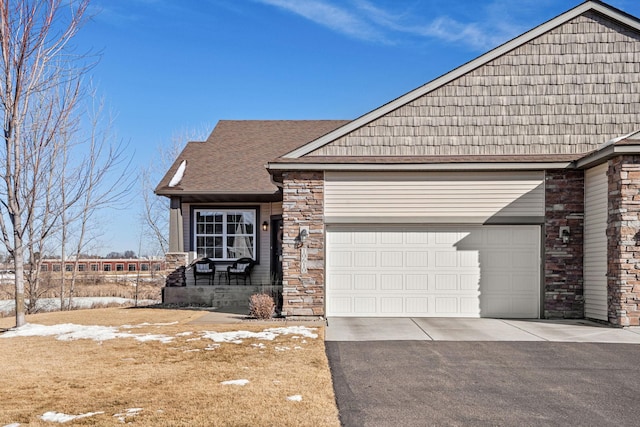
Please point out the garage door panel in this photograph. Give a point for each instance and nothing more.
(339, 238)
(469, 282)
(524, 282)
(391, 305)
(341, 282)
(497, 283)
(415, 238)
(364, 238)
(415, 282)
(364, 259)
(446, 282)
(446, 259)
(469, 306)
(522, 259)
(495, 259)
(340, 259)
(417, 259)
(469, 271)
(364, 282)
(391, 282)
(365, 305)
(416, 305)
(497, 240)
(341, 305)
(468, 258)
(446, 238)
(391, 259)
(521, 236)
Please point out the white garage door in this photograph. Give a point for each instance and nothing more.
(439, 271)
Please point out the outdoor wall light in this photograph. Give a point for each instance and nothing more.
(565, 232)
(302, 237)
(265, 226)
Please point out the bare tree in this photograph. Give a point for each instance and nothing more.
(106, 183)
(41, 93)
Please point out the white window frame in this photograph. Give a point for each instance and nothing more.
(226, 256)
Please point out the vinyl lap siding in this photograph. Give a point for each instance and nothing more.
(452, 197)
(595, 243)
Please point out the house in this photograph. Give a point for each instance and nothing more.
(93, 265)
(508, 187)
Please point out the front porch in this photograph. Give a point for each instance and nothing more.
(228, 298)
(223, 294)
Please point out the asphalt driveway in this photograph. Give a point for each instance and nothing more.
(424, 382)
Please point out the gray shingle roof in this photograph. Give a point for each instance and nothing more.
(232, 160)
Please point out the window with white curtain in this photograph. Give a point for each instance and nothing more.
(225, 234)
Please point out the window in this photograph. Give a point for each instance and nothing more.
(81, 267)
(68, 267)
(131, 267)
(107, 267)
(119, 267)
(94, 267)
(225, 234)
(44, 267)
(144, 267)
(56, 267)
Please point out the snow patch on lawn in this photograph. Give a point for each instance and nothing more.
(141, 325)
(59, 417)
(237, 337)
(295, 398)
(131, 412)
(235, 382)
(70, 332)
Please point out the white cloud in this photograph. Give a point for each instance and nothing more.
(364, 20)
(334, 17)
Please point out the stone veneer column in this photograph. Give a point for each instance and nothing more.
(303, 205)
(623, 237)
(563, 279)
(175, 265)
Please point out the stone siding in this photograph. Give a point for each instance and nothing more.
(563, 279)
(175, 263)
(303, 206)
(623, 236)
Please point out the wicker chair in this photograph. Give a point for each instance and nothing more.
(241, 268)
(204, 267)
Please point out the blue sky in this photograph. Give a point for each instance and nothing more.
(169, 66)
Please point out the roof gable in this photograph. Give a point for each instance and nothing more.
(561, 88)
(232, 159)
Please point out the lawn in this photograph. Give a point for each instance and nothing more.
(152, 367)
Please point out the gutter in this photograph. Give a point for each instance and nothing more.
(419, 167)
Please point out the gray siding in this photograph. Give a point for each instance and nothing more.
(564, 92)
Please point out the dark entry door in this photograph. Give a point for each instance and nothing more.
(276, 249)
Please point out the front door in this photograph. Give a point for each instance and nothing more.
(276, 249)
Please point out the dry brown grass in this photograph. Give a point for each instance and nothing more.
(175, 384)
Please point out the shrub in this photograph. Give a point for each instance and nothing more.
(261, 306)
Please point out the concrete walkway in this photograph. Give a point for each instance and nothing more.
(463, 329)
(240, 316)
